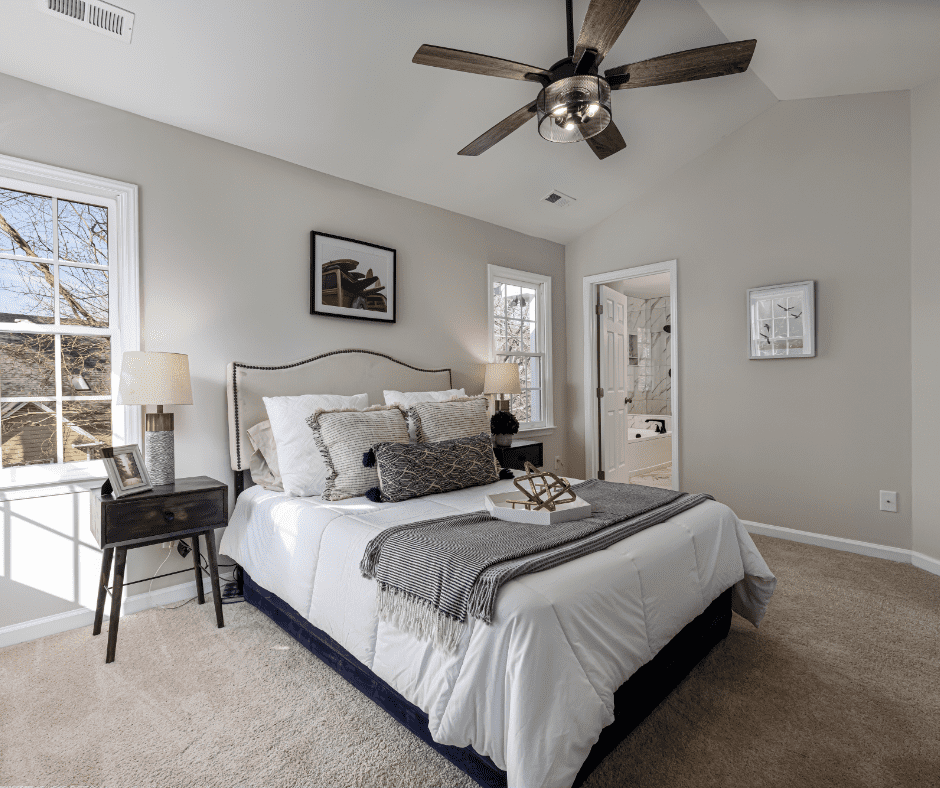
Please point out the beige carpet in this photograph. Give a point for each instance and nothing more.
(840, 687)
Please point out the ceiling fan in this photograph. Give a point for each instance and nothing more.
(574, 102)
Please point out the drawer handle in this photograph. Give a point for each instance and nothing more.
(168, 516)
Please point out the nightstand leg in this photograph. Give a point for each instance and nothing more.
(214, 574)
(106, 557)
(116, 593)
(200, 594)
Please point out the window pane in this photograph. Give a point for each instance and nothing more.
(28, 430)
(27, 365)
(535, 398)
(86, 426)
(512, 302)
(520, 336)
(26, 292)
(83, 296)
(86, 366)
(527, 304)
(83, 233)
(499, 299)
(25, 223)
(520, 405)
(499, 335)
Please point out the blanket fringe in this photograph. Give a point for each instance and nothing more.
(418, 617)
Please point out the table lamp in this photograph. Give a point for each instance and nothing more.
(499, 379)
(156, 379)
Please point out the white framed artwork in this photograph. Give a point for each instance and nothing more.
(782, 321)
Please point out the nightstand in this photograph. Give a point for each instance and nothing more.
(189, 508)
(515, 456)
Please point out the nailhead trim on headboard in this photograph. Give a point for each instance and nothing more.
(238, 365)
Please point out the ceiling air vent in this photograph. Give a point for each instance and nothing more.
(105, 18)
(555, 197)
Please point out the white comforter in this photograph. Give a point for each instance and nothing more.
(534, 689)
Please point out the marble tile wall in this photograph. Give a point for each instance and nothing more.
(649, 379)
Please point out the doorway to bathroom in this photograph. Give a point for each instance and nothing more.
(631, 376)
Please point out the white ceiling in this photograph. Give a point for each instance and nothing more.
(331, 86)
(652, 286)
(810, 48)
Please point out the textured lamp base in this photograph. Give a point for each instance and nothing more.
(161, 465)
(158, 446)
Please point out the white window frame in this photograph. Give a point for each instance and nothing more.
(543, 287)
(123, 300)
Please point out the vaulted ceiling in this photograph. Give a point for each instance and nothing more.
(331, 85)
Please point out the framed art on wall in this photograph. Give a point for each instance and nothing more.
(351, 279)
(782, 321)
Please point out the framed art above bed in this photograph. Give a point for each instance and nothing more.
(351, 279)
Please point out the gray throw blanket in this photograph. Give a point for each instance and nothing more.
(433, 574)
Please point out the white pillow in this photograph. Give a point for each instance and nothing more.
(405, 399)
(303, 471)
(263, 462)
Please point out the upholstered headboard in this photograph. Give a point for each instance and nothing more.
(336, 372)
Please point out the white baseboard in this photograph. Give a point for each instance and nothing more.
(73, 619)
(922, 561)
(898, 554)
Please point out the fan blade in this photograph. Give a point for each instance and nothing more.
(603, 24)
(500, 131)
(608, 142)
(685, 66)
(472, 63)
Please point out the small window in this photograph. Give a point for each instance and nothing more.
(60, 334)
(520, 328)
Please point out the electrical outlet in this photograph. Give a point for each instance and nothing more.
(889, 501)
(559, 463)
(167, 545)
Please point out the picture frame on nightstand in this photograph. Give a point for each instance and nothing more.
(127, 473)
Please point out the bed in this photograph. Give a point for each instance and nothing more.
(584, 651)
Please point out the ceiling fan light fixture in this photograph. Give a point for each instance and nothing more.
(574, 108)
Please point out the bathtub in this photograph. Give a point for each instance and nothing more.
(648, 449)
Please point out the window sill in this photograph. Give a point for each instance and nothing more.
(535, 432)
(49, 488)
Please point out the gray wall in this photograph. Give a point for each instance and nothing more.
(816, 189)
(925, 290)
(224, 262)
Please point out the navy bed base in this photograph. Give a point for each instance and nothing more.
(633, 702)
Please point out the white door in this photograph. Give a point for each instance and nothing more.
(613, 380)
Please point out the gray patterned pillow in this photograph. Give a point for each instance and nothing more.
(455, 418)
(410, 470)
(344, 436)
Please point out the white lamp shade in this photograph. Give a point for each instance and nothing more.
(155, 379)
(502, 379)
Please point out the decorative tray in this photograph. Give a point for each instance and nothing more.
(498, 505)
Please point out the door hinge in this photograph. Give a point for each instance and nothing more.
(600, 393)
(599, 309)
(600, 475)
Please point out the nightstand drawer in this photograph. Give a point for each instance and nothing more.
(152, 517)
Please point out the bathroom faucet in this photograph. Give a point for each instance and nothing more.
(659, 425)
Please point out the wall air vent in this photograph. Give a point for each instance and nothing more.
(555, 197)
(114, 22)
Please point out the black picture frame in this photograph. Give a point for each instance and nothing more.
(368, 294)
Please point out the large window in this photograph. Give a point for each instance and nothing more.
(61, 323)
(520, 332)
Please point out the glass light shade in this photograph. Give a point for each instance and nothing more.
(155, 379)
(502, 378)
(574, 108)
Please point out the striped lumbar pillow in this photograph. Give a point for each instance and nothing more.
(456, 418)
(415, 469)
(344, 436)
